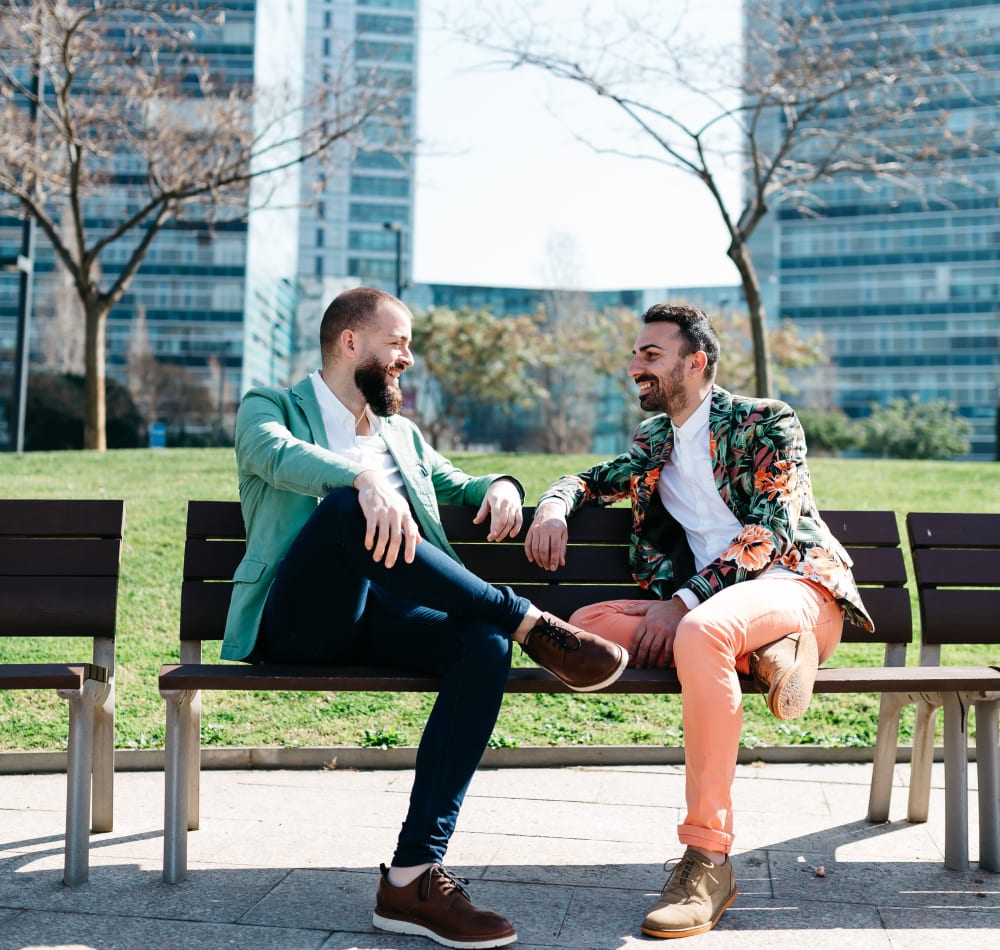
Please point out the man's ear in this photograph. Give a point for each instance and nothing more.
(348, 342)
(699, 360)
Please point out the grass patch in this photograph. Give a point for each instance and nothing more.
(156, 485)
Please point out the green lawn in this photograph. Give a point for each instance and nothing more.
(156, 486)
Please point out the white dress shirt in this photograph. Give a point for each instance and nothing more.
(687, 489)
(342, 435)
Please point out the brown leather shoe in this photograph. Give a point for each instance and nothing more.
(785, 672)
(583, 661)
(436, 905)
(693, 899)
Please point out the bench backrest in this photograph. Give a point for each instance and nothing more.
(956, 562)
(59, 566)
(596, 566)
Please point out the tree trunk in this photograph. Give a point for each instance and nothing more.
(94, 409)
(739, 255)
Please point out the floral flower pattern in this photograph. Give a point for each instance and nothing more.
(759, 457)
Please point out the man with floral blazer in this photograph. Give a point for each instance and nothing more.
(740, 575)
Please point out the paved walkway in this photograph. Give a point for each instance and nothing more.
(287, 859)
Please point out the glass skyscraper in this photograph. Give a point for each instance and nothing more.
(357, 214)
(216, 299)
(905, 290)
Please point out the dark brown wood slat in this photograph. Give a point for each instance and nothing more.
(589, 525)
(203, 610)
(869, 528)
(530, 680)
(49, 675)
(65, 607)
(53, 518)
(215, 519)
(890, 609)
(507, 564)
(882, 566)
(212, 560)
(960, 616)
(958, 567)
(59, 557)
(953, 529)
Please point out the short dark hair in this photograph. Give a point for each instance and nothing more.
(350, 310)
(695, 327)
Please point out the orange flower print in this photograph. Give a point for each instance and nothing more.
(752, 548)
(792, 560)
(776, 482)
(820, 566)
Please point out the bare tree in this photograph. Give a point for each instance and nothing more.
(816, 97)
(131, 127)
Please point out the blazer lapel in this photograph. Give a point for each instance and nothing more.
(305, 398)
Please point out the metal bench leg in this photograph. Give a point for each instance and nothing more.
(956, 782)
(102, 818)
(194, 763)
(79, 762)
(922, 758)
(988, 769)
(177, 760)
(884, 763)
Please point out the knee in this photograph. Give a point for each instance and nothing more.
(486, 647)
(694, 642)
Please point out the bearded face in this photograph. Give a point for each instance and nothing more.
(379, 384)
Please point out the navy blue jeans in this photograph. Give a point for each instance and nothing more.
(332, 603)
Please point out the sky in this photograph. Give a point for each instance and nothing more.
(508, 195)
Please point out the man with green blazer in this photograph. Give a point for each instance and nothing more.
(347, 562)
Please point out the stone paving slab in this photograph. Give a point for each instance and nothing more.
(288, 859)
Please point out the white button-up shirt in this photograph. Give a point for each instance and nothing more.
(342, 435)
(687, 489)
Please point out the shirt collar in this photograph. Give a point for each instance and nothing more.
(696, 422)
(334, 410)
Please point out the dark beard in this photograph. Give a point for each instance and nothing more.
(669, 398)
(384, 400)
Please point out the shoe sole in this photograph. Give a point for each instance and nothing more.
(789, 697)
(607, 681)
(692, 931)
(409, 927)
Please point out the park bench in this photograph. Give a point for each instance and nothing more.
(956, 564)
(596, 569)
(59, 566)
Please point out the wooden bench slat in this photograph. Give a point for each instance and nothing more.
(960, 616)
(50, 675)
(55, 557)
(957, 567)
(940, 529)
(72, 607)
(54, 518)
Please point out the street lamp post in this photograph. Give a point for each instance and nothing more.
(397, 228)
(24, 265)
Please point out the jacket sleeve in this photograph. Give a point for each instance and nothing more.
(267, 449)
(771, 482)
(602, 485)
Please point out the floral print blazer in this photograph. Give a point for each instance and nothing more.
(759, 459)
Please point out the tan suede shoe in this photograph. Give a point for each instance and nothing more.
(785, 672)
(693, 899)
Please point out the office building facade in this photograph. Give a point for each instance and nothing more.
(903, 286)
(215, 301)
(357, 207)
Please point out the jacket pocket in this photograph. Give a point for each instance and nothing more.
(249, 570)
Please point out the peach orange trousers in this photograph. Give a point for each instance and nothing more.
(712, 646)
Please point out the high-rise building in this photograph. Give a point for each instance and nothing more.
(214, 299)
(357, 214)
(904, 288)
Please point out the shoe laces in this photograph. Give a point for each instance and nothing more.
(685, 873)
(563, 637)
(452, 882)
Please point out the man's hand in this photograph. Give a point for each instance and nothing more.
(503, 504)
(390, 522)
(653, 640)
(545, 542)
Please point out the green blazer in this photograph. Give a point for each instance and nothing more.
(285, 469)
